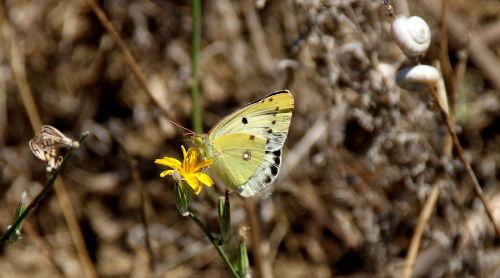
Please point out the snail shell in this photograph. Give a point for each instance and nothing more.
(419, 74)
(412, 35)
(413, 78)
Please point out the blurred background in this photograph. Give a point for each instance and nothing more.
(361, 158)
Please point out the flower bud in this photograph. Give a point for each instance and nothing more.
(224, 210)
(183, 194)
(16, 235)
(242, 259)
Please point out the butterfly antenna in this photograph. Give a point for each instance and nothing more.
(189, 131)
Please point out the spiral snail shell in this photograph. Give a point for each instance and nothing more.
(411, 34)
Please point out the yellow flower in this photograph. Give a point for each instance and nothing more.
(188, 170)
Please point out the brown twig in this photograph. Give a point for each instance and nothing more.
(131, 62)
(419, 230)
(490, 34)
(461, 67)
(144, 214)
(444, 59)
(401, 7)
(4, 115)
(145, 201)
(480, 54)
(16, 62)
(74, 228)
(257, 37)
(447, 74)
(463, 159)
(42, 245)
(261, 262)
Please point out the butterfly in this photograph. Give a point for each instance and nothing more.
(247, 145)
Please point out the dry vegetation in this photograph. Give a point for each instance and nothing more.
(361, 157)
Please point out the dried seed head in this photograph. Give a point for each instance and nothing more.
(243, 232)
(46, 146)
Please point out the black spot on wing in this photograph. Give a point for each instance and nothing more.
(274, 170)
(273, 122)
(277, 160)
(277, 153)
(252, 137)
(244, 120)
(270, 131)
(268, 179)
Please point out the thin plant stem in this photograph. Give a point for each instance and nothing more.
(195, 52)
(460, 152)
(212, 239)
(425, 214)
(50, 183)
(16, 61)
(129, 58)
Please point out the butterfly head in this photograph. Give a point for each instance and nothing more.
(199, 139)
(202, 141)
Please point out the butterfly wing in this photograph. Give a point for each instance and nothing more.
(247, 144)
(239, 155)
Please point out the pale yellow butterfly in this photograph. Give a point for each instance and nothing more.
(246, 146)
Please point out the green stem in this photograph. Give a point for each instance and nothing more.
(50, 183)
(214, 243)
(195, 82)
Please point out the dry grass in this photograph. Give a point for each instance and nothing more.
(361, 159)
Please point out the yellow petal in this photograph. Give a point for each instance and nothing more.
(203, 164)
(198, 190)
(183, 152)
(190, 161)
(166, 173)
(204, 178)
(170, 162)
(193, 182)
(193, 155)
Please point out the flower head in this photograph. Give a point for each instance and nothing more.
(188, 170)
